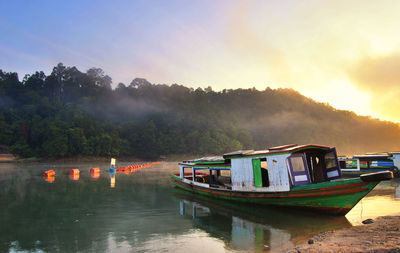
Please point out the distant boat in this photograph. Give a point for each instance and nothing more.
(373, 162)
(301, 176)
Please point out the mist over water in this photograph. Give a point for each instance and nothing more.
(141, 212)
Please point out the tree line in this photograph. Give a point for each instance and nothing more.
(70, 113)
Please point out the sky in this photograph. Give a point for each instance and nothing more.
(345, 53)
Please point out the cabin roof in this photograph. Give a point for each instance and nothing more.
(371, 157)
(207, 159)
(224, 161)
(290, 148)
(206, 165)
(238, 153)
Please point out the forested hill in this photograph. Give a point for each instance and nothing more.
(70, 113)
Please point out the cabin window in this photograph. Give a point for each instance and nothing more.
(297, 164)
(260, 172)
(202, 176)
(330, 160)
(220, 178)
(187, 175)
(315, 165)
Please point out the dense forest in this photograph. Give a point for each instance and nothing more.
(70, 113)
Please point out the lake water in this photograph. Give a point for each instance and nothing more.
(142, 212)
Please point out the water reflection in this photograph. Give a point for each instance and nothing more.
(49, 179)
(383, 200)
(253, 228)
(86, 215)
(74, 177)
(396, 184)
(94, 175)
(144, 214)
(125, 172)
(112, 179)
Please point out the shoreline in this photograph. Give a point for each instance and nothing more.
(6, 158)
(382, 235)
(9, 158)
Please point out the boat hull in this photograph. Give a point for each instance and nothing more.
(334, 197)
(357, 173)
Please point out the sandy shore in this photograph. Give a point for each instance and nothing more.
(383, 235)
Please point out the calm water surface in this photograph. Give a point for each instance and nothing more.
(142, 212)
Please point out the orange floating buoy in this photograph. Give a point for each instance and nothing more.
(49, 173)
(95, 170)
(123, 169)
(74, 172)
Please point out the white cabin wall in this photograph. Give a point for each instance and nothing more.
(243, 178)
(396, 160)
(181, 171)
(278, 174)
(242, 174)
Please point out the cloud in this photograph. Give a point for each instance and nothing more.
(253, 48)
(380, 76)
(377, 74)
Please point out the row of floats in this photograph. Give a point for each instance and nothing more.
(74, 174)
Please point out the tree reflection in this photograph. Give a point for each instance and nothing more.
(83, 215)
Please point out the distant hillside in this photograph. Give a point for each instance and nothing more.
(70, 113)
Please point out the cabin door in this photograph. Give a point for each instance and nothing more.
(331, 164)
(260, 172)
(257, 172)
(299, 169)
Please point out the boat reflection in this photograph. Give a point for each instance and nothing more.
(253, 228)
(396, 185)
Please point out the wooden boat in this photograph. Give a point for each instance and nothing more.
(376, 162)
(301, 176)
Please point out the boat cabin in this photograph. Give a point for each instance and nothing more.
(275, 169)
(396, 159)
(365, 162)
(371, 162)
